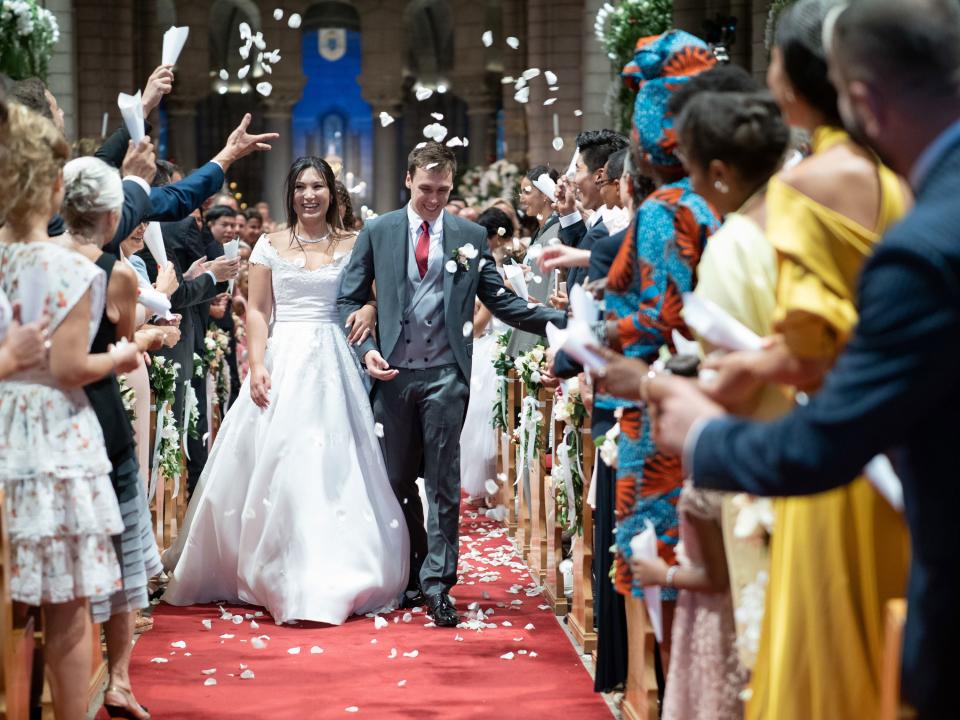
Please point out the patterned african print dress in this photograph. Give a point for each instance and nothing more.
(655, 266)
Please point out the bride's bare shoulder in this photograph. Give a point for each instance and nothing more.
(348, 239)
(278, 238)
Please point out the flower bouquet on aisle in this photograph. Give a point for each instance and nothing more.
(28, 33)
(167, 454)
(216, 345)
(567, 473)
(502, 363)
(480, 185)
(531, 367)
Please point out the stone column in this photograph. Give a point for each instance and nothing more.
(278, 118)
(387, 171)
(182, 130)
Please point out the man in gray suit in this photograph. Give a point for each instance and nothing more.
(429, 267)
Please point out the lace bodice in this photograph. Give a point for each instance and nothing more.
(301, 295)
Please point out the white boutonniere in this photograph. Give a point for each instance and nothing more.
(461, 257)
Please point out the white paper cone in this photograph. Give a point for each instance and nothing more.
(153, 239)
(6, 315)
(583, 306)
(547, 186)
(715, 325)
(572, 169)
(644, 545)
(883, 477)
(514, 274)
(231, 249)
(154, 300)
(173, 41)
(32, 294)
(131, 109)
(579, 342)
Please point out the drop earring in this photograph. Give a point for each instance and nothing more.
(721, 187)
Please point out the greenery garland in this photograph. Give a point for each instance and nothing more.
(572, 412)
(28, 33)
(163, 381)
(216, 345)
(618, 28)
(503, 364)
(531, 367)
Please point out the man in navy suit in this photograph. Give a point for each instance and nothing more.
(895, 389)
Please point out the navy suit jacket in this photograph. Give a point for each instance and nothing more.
(895, 388)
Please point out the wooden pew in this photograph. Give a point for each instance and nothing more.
(16, 639)
(553, 581)
(537, 554)
(580, 620)
(640, 698)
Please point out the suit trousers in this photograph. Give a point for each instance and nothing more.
(422, 414)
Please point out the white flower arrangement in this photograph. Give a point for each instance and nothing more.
(480, 185)
(755, 517)
(163, 381)
(129, 397)
(607, 445)
(568, 473)
(28, 33)
(502, 363)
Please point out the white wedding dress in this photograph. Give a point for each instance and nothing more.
(294, 510)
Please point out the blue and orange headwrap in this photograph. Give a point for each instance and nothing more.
(661, 64)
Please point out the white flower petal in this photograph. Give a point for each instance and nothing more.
(501, 291)
(454, 142)
(578, 113)
(531, 73)
(316, 650)
(529, 626)
(294, 651)
(437, 116)
(245, 31)
(278, 14)
(236, 619)
(242, 73)
(247, 675)
(550, 77)
(393, 653)
(258, 643)
(207, 624)
(507, 656)
(264, 88)
(522, 95)
(533, 654)
(407, 617)
(549, 101)
(352, 709)
(401, 683)
(227, 636)
(386, 119)
(210, 681)
(411, 654)
(487, 38)
(294, 21)
(507, 80)
(450, 266)
(179, 644)
(379, 622)
(159, 660)
(224, 75)
(423, 93)
(378, 429)
(513, 42)
(209, 671)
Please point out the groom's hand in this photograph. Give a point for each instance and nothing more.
(377, 367)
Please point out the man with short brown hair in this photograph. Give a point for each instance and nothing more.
(429, 267)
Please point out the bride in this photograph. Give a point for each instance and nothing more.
(294, 510)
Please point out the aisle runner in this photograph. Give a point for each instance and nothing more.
(515, 663)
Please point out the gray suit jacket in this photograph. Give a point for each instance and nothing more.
(520, 341)
(381, 254)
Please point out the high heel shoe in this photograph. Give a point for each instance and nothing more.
(123, 712)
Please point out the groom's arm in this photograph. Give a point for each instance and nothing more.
(355, 285)
(510, 308)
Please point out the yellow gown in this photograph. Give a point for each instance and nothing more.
(838, 556)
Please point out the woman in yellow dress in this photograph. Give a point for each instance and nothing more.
(836, 557)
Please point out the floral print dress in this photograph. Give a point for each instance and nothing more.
(61, 507)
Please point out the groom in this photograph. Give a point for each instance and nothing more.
(427, 279)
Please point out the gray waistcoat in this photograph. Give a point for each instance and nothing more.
(423, 342)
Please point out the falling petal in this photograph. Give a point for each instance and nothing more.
(407, 617)
(245, 50)
(521, 82)
(264, 88)
(529, 626)
(507, 80)
(244, 31)
(379, 622)
(458, 637)
(437, 116)
(278, 14)
(549, 101)
(507, 623)
(401, 683)
(259, 41)
(531, 73)
(487, 38)
(532, 654)
(578, 113)
(294, 651)
(378, 429)
(423, 93)
(242, 73)
(386, 119)
(432, 165)
(522, 95)
(294, 21)
(236, 619)
(507, 656)
(513, 42)
(227, 636)
(454, 142)
(501, 291)
(554, 88)
(550, 77)
(224, 75)
(521, 652)
(558, 143)
(247, 675)
(267, 69)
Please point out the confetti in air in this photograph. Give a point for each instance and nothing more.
(487, 38)
(378, 429)
(423, 93)
(550, 77)
(294, 21)
(558, 143)
(513, 42)
(264, 88)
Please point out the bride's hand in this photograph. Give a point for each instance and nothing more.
(361, 323)
(260, 386)
(377, 367)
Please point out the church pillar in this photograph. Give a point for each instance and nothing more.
(387, 170)
(182, 130)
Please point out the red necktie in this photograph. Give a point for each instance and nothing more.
(423, 248)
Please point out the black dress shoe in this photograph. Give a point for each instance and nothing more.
(418, 599)
(442, 611)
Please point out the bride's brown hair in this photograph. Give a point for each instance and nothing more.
(329, 180)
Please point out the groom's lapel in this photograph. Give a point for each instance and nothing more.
(450, 243)
(400, 242)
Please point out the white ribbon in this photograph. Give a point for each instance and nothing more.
(161, 421)
(528, 432)
(190, 402)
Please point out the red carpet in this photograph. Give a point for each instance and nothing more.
(403, 670)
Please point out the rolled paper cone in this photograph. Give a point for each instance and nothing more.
(715, 325)
(173, 41)
(154, 300)
(582, 305)
(572, 170)
(547, 186)
(131, 109)
(103, 127)
(231, 249)
(514, 274)
(644, 545)
(153, 239)
(32, 294)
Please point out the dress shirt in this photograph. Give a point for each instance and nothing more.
(414, 222)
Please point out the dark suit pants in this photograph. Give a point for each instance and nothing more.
(422, 413)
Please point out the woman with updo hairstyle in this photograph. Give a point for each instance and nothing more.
(93, 198)
(823, 216)
(54, 467)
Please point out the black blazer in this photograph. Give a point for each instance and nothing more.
(895, 387)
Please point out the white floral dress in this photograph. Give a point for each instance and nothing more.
(61, 507)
